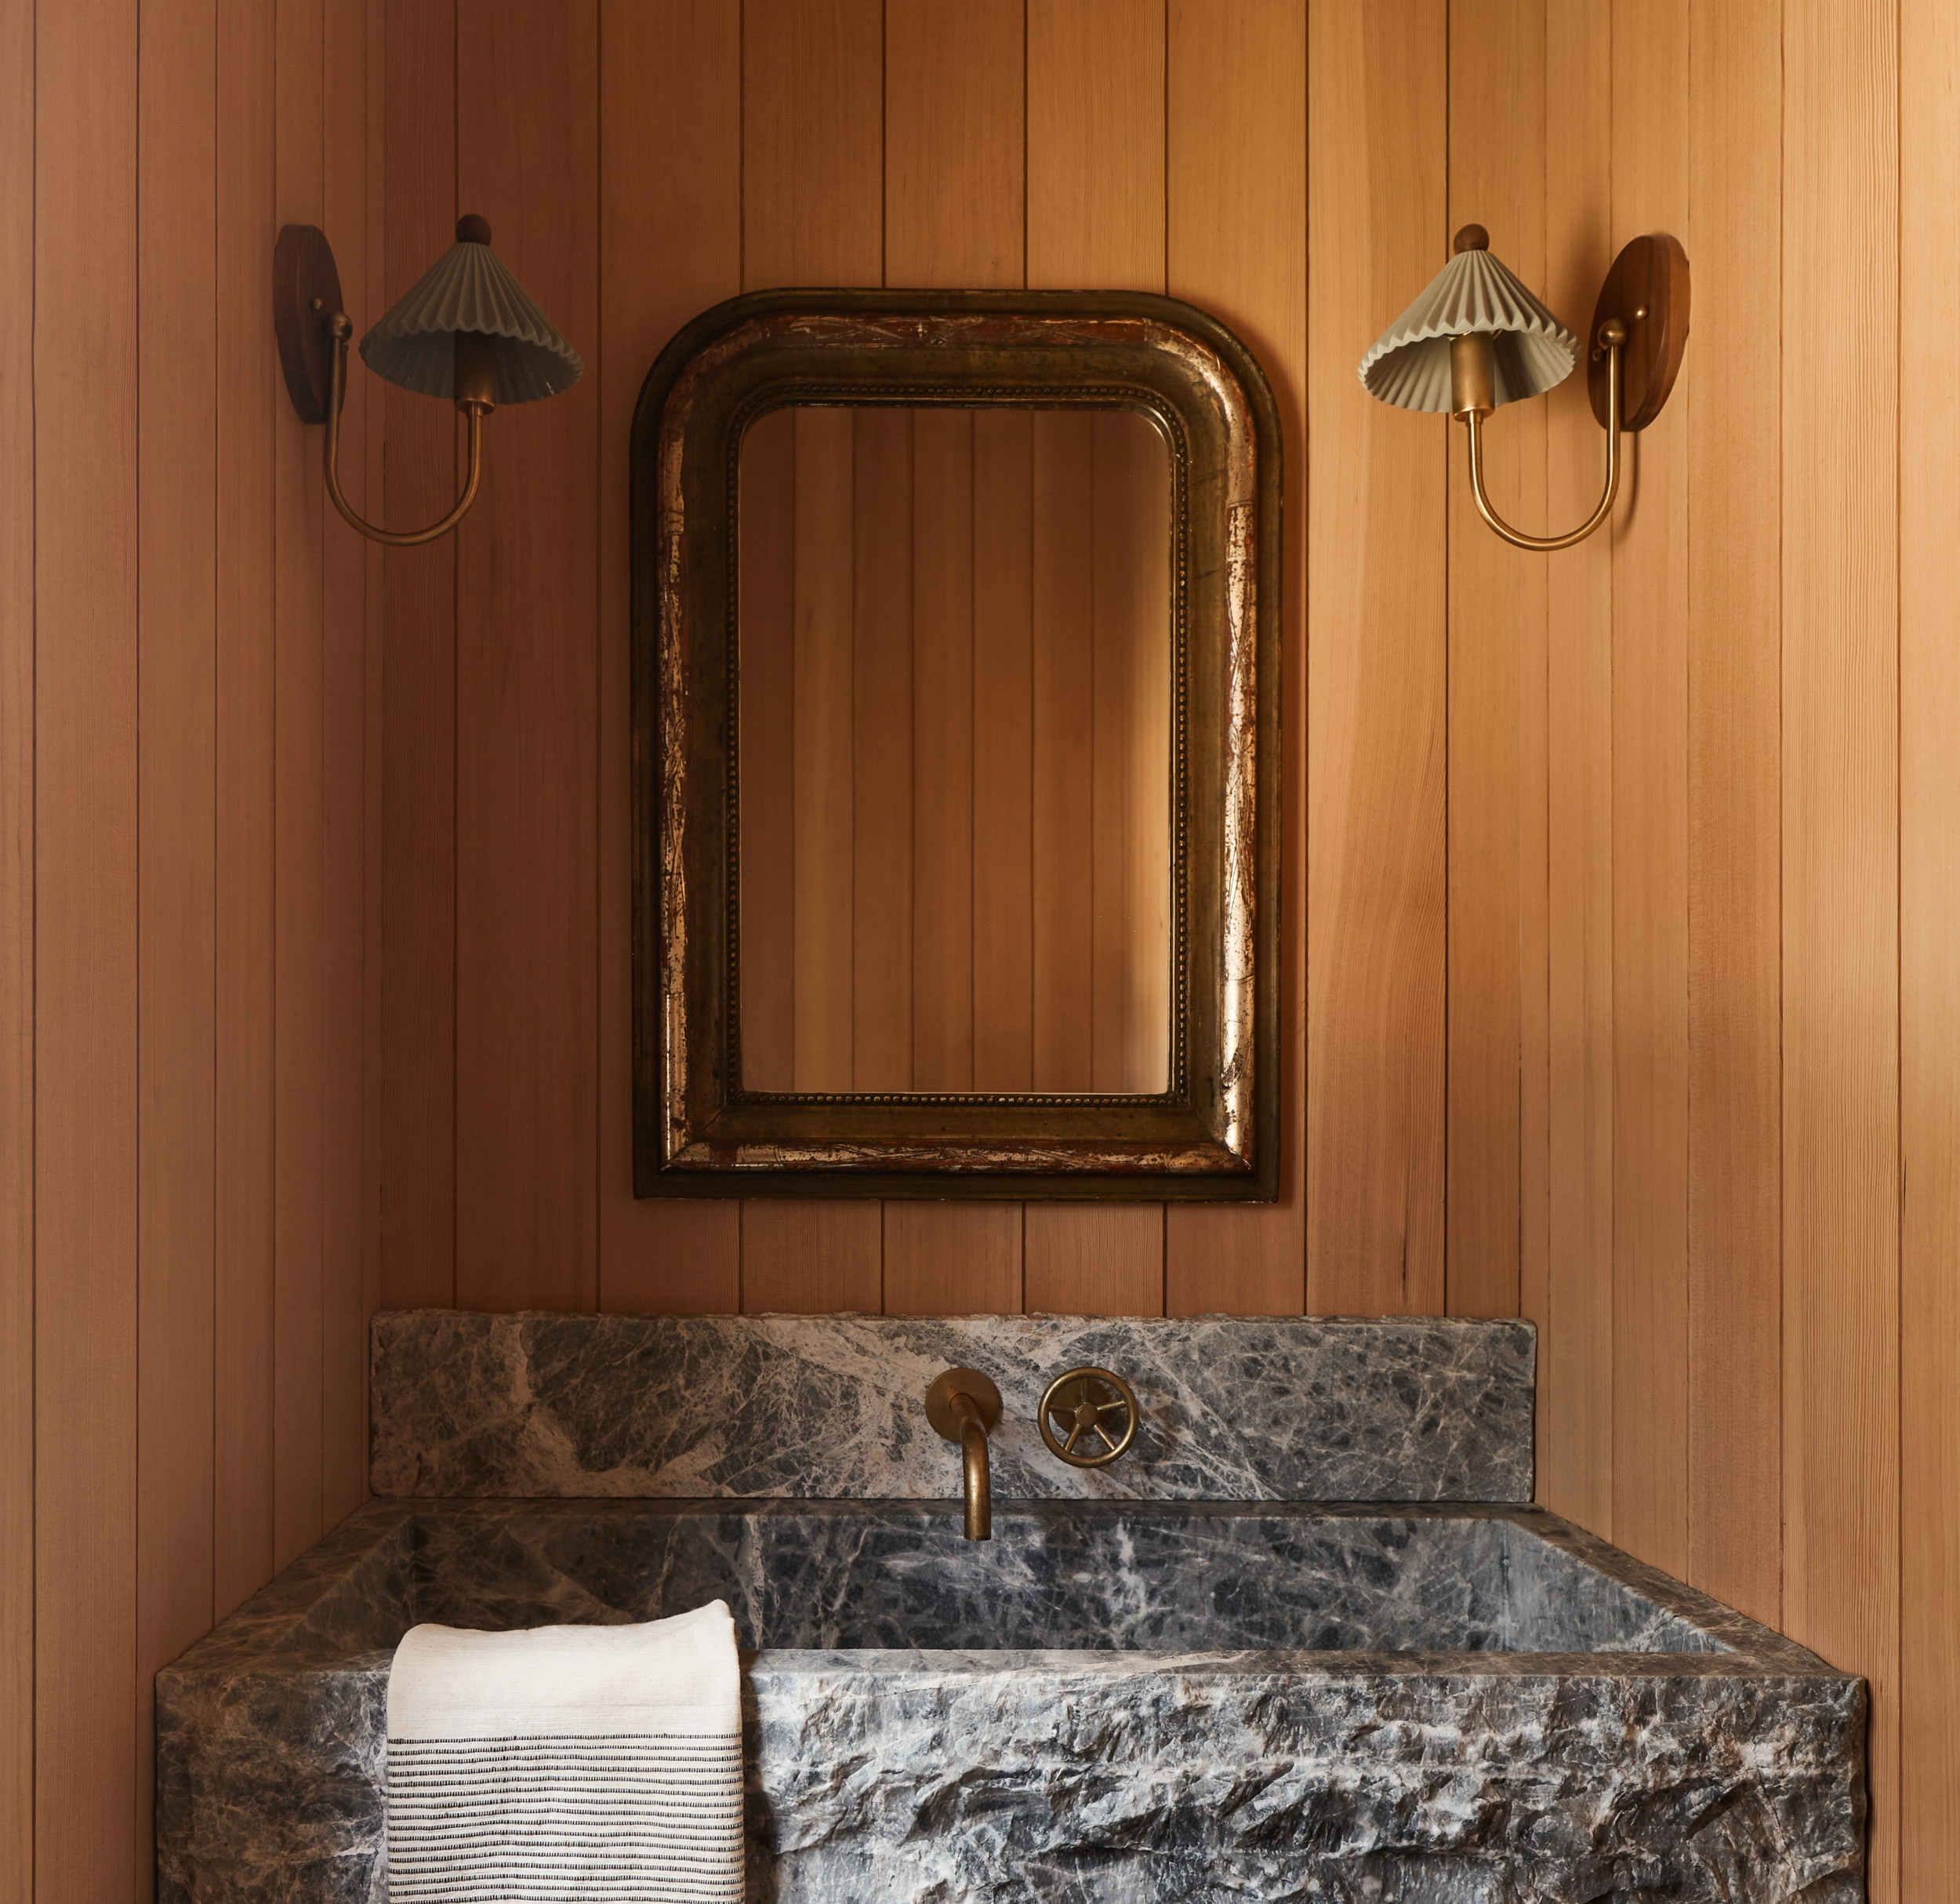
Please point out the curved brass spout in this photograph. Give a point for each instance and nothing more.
(962, 1405)
(472, 388)
(1471, 398)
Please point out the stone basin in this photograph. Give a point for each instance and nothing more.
(1404, 1703)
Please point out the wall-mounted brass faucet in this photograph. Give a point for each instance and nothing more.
(963, 1405)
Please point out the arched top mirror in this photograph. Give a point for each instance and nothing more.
(956, 751)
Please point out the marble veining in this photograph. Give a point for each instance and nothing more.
(830, 1407)
(1404, 1705)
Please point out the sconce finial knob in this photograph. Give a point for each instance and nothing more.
(1472, 237)
(472, 228)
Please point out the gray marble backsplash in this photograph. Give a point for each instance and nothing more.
(832, 1407)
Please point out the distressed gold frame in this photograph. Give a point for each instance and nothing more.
(1214, 1133)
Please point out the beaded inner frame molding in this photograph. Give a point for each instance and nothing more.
(1213, 1132)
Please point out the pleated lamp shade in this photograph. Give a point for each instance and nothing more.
(469, 288)
(1409, 365)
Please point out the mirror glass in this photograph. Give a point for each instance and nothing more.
(954, 754)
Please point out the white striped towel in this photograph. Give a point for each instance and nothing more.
(567, 1765)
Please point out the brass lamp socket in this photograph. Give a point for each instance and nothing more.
(476, 371)
(1472, 376)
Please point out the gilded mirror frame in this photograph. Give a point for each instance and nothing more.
(1214, 1134)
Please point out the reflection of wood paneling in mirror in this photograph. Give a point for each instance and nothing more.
(955, 751)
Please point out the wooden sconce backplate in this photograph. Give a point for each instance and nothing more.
(305, 290)
(1647, 291)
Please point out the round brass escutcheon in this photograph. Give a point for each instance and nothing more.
(1082, 1408)
(970, 1383)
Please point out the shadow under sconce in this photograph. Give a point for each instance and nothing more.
(467, 331)
(1477, 339)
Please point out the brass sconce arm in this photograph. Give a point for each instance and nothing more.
(1470, 372)
(476, 405)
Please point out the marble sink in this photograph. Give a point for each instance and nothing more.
(1137, 1693)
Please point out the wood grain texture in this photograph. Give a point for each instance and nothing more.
(85, 927)
(527, 692)
(812, 213)
(1095, 167)
(174, 1375)
(1097, 140)
(418, 791)
(1004, 751)
(1093, 1259)
(1930, 971)
(16, 950)
(176, 685)
(1377, 656)
(299, 899)
(877, 800)
(951, 1258)
(1735, 1240)
(1573, 1306)
(813, 142)
(349, 562)
(954, 85)
(812, 1258)
(1237, 135)
(1496, 629)
(1650, 853)
(1841, 868)
(245, 1054)
(671, 244)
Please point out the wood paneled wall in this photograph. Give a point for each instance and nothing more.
(955, 739)
(186, 1215)
(1619, 958)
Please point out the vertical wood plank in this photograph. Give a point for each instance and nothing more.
(1929, 964)
(823, 743)
(766, 744)
(299, 920)
(812, 213)
(1734, 899)
(16, 948)
(811, 1257)
(954, 144)
(671, 240)
(1096, 170)
(343, 816)
(940, 751)
(1093, 1259)
(175, 867)
(1573, 1306)
(1496, 611)
(1003, 750)
(1650, 851)
(419, 870)
(1095, 217)
(812, 132)
(246, 1019)
(1377, 653)
(1062, 869)
(85, 804)
(955, 200)
(527, 692)
(1841, 866)
(951, 1258)
(879, 762)
(1236, 135)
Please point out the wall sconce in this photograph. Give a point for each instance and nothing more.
(1477, 339)
(467, 331)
